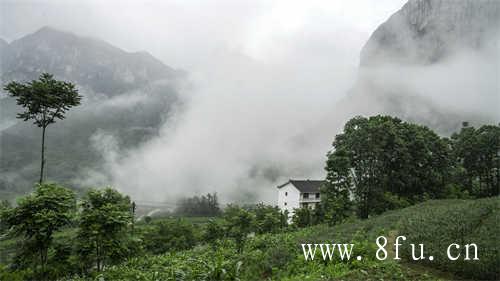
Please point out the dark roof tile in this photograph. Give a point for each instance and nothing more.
(305, 186)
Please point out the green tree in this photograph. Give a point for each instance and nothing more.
(104, 220)
(213, 232)
(302, 217)
(37, 217)
(386, 162)
(4, 207)
(267, 218)
(170, 236)
(489, 157)
(335, 194)
(44, 100)
(477, 159)
(240, 223)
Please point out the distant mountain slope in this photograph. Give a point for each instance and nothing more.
(89, 62)
(127, 96)
(434, 62)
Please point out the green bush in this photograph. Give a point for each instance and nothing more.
(169, 236)
(279, 256)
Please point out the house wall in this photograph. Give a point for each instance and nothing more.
(290, 195)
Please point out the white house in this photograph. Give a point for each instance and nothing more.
(296, 194)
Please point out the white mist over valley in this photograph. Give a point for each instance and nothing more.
(238, 97)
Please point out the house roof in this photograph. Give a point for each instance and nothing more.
(305, 186)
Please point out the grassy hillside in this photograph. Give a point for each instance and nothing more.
(436, 224)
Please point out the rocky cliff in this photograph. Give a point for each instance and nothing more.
(434, 62)
(426, 31)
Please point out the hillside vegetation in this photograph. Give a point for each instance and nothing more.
(54, 234)
(436, 224)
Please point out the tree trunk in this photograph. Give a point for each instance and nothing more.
(43, 262)
(43, 155)
(98, 257)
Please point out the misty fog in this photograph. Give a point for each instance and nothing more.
(265, 82)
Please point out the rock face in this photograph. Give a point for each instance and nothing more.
(433, 62)
(425, 31)
(127, 97)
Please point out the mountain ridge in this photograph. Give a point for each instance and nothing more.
(126, 99)
(87, 61)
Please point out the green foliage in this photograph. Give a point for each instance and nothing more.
(335, 200)
(239, 224)
(36, 218)
(477, 159)
(279, 256)
(303, 217)
(214, 232)
(4, 207)
(170, 236)
(383, 158)
(267, 218)
(18, 275)
(461, 222)
(384, 163)
(393, 201)
(44, 100)
(103, 229)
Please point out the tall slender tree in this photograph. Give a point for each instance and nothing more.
(44, 100)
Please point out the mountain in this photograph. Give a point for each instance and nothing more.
(433, 62)
(127, 96)
(427, 31)
(88, 62)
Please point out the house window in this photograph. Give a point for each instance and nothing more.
(305, 205)
(286, 193)
(317, 195)
(285, 203)
(305, 196)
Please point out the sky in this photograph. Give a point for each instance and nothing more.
(184, 33)
(265, 74)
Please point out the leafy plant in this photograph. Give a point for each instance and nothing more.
(104, 219)
(36, 218)
(44, 100)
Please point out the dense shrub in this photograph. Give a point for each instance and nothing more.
(279, 256)
(170, 235)
(302, 217)
(213, 232)
(268, 219)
